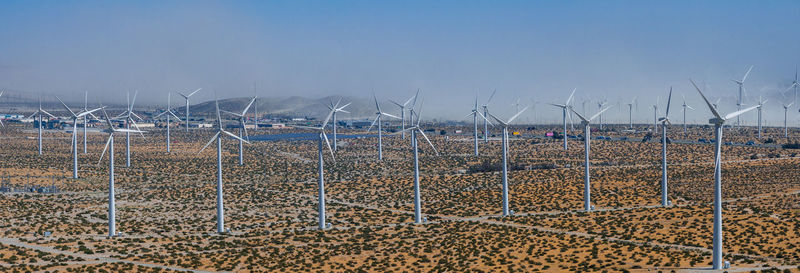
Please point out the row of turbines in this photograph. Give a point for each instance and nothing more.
(415, 130)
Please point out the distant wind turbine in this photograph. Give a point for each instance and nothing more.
(475, 113)
(565, 113)
(402, 115)
(415, 129)
(39, 112)
(587, 136)
(335, 108)
(664, 122)
(129, 116)
(321, 167)
(187, 105)
(218, 138)
(112, 211)
(242, 129)
(630, 112)
(740, 83)
(168, 113)
(377, 120)
(684, 105)
(86, 117)
(75, 117)
(486, 114)
(759, 106)
(718, 121)
(505, 124)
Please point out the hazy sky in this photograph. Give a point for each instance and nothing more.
(449, 49)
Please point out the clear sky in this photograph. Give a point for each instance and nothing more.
(532, 50)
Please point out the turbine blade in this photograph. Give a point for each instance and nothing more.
(46, 113)
(734, 114)
(235, 136)
(390, 115)
(428, 140)
(328, 143)
(579, 115)
(248, 106)
(669, 100)
(209, 142)
(398, 104)
(190, 94)
(747, 73)
(373, 122)
(517, 115)
(490, 97)
(571, 95)
(65, 106)
(104, 149)
(601, 111)
(497, 119)
(710, 106)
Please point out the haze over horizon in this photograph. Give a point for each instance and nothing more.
(451, 50)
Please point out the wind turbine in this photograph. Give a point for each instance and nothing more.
(1, 120)
(39, 112)
(664, 121)
(475, 113)
(630, 112)
(684, 105)
(112, 210)
(129, 115)
(718, 122)
(321, 183)
(336, 109)
(759, 106)
(378, 116)
(402, 117)
(218, 138)
(505, 124)
(167, 113)
(75, 117)
(655, 114)
(486, 114)
(785, 114)
(795, 84)
(187, 105)
(415, 129)
(739, 103)
(86, 118)
(587, 195)
(565, 113)
(600, 105)
(242, 129)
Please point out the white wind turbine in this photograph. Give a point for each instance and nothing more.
(785, 117)
(378, 116)
(129, 115)
(218, 138)
(1, 120)
(718, 121)
(600, 105)
(402, 115)
(565, 113)
(86, 117)
(655, 114)
(739, 102)
(759, 106)
(505, 124)
(112, 210)
(242, 128)
(167, 113)
(664, 122)
(684, 105)
(321, 183)
(415, 129)
(630, 112)
(475, 113)
(587, 195)
(39, 112)
(335, 109)
(485, 120)
(75, 117)
(186, 97)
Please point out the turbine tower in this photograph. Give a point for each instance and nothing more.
(335, 109)
(242, 129)
(415, 129)
(167, 113)
(129, 115)
(321, 167)
(786, 112)
(75, 117)
(1, 120)
(759, 106)
(718, 121)
(630, 112)
(739, 102)
(86, 118)
(684, 105)
(112, 210)
(39, 112)
(475, 113)
(505, 124)
(402, 116)
(664, 122)
(565, 113)
(186, 97)
(378, 116)
(600, 105)
(655, 114)
(486, 121)
(587, 195)
(218, 138)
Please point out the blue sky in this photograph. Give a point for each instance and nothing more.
(533, 50)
